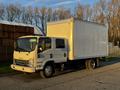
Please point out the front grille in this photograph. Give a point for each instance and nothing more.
(22, 62)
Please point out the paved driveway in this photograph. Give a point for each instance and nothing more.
(106, 77)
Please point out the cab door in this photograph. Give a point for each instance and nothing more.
(60, 51)
(45, 51)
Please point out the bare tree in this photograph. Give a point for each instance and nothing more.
(88, 13)
(79, 12)
(43, 14)
(49, 14)
(55, 15)
(61, 13)
(2, 11)
(27, 15)
(12, 11)
(100, 12)
(37, 17)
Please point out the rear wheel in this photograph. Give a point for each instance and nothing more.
(97, 62)
(48, 71)
(90, 64)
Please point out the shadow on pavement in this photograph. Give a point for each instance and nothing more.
(36, 76)
(109, 62)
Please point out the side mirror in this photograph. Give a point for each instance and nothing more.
(40, 50)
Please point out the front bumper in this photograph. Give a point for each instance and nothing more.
(23, 69)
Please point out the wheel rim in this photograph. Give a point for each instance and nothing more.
(48, 71)
(93, 64)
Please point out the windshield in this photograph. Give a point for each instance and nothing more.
(26, 44)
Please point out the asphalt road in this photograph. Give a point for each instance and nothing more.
(107, 77)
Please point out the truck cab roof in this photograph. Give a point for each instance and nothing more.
(38, 36)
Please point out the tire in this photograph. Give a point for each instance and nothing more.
(97, 62)
(90, 64)
(48, 71)
(86, 64)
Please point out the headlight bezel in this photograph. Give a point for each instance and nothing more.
(30, 63)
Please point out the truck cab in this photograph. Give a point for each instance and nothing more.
(37, 53)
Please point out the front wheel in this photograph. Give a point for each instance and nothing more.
(48, 71)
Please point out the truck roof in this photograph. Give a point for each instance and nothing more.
(72, 19)
(37, 36)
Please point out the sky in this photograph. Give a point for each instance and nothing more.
(50, 3)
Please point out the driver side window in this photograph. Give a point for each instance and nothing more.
(44, 44)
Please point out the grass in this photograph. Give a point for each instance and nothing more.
(110, 58)
(5, 68)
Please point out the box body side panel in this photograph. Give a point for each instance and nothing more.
(90, 40)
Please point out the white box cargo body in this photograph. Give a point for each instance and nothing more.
(85, 39)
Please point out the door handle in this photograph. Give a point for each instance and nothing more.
(51, 55)
(64, 54)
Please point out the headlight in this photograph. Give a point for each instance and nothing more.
(30, 63)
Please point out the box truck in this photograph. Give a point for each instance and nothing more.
(67, 41)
